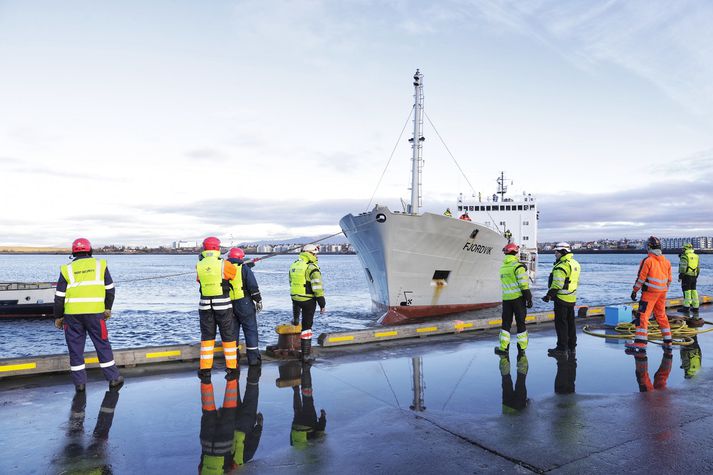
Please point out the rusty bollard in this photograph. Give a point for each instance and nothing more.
(288, 342)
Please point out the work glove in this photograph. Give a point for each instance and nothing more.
(259, 419)
(546, 298)
(633, 295)
(322, 309)
(528, 303)
(258, 306)
(107, 314)
(59, 323)
(250, 264)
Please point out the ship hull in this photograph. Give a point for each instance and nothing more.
(428, 265)
(26, 300)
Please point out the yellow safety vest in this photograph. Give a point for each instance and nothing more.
(513, 278)
(85, 286)
(565, 278)
(689, 263)
(236, 290)
(305, 278)
(210, 274)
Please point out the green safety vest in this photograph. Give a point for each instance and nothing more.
(565, 278)
(212, 465)
(689, 263)
(210, 274)
(85, 286)
(513, 277)
(236, 290)
(305, 278)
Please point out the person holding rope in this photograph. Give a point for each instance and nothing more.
(306, 291)
(653, 280)
(247, 303)
(215, 310)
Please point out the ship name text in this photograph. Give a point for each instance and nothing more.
(472, 247)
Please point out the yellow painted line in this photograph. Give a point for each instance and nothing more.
(551, 316)
(426, 329)
(530, 319)
(675, 302)
(92, 359)
(460, 326)
(164, 353)
(495, 322)
(17, 367)
(382, 334)
(336, 339)
(218, 349)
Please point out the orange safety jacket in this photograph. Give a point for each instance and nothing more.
(654, 274)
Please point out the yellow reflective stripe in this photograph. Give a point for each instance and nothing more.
(495, 322)
(426, 329)
(17, 367)
(335, 339)
(160, 354)
(383, 334)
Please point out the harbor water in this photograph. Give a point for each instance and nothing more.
(164, 311)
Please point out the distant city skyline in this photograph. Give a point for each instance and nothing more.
(146, 122)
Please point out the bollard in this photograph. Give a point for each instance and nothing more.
(288, 342)
(290, 375)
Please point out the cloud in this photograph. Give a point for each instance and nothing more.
(207, 154)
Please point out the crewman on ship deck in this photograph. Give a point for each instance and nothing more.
(517, 298)
(82, 304)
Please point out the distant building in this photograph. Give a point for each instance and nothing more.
(698, 242)
(184, 244)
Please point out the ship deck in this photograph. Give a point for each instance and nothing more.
(605, 426)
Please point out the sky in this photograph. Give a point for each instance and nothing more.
(132, 122)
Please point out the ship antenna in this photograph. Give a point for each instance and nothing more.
(502, 187)
(417, 144)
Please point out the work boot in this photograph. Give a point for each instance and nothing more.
(295, 321)
(695, 312)
(555, 352)
(522, 364)
(501, 351)
(80, 388)
(504, 365)
(204, 375)
(306, 346)
(254, 373)
(634, 347)
(116, 384)
(254, 359)
(684, 310)
(573, 353)
(231, 373)
(520, 352)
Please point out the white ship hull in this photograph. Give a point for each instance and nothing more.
(19, 299)
(425, 265)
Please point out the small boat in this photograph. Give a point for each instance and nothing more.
(25, 300)
(421, 265)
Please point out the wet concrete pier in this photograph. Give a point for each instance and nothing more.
(444, 404)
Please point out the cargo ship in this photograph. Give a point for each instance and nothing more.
(420, 265)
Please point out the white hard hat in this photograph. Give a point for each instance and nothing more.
(563, 246)
(310, 248)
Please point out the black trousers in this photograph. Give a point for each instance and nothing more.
(514, 307)
(222, 319)
(307, 310)
(688, 282)
(564, 326)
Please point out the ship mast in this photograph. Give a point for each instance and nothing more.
(502, 187)
(417, 144)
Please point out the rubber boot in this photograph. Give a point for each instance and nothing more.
(502, 351)
(634, 347)
(685, 310)
(306, 346)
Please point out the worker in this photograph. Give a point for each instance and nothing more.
(691, 356)
(563, 283)
(465, 217)
(660, 377)
(507, 235)
(517, 298)
(248, 422)
(566, 374)
(82, 305)
(305, 425)
(653, 280)
(307, 292)
(215, 310)
(448, 213)
(217, 428)
(514, 397)
(247, 303)
(688, 270)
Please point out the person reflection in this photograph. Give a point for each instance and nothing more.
(305, 425)
(217, 427)
(75, 458)
(248, 422)
(691, 359)
(514, 397)
(566, 374)
(661, 375)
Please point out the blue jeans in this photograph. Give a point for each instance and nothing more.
(245, 317)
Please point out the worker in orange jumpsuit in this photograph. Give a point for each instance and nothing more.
(653, 280)
(661, 375)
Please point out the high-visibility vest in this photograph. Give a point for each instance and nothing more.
(565, 278)
(513, 277)
(305, 279)
(85, 286)
(689, 263)
(210, 274)
(236, 291)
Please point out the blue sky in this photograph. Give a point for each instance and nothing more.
(148, 122)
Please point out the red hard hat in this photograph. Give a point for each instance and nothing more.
(81, 245)
(236, 253)
(512, 247)
(211, 243)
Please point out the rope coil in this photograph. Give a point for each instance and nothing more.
(680, 331)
